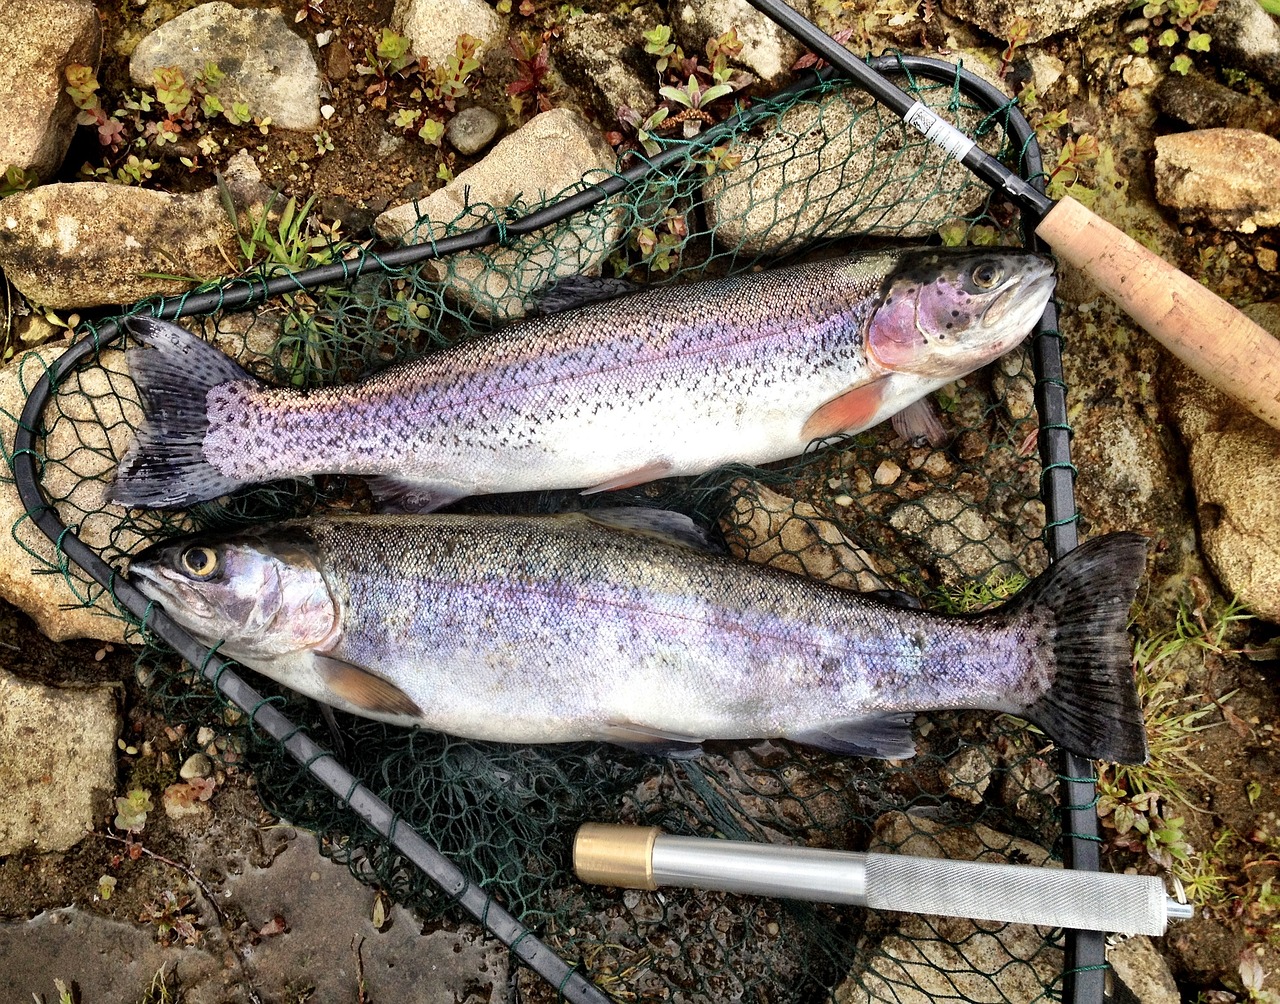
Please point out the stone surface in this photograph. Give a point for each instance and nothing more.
(1203, 103)
(323, 909)
(604, 58)
(1230, 178)
(472, 129)
(1136, 963)
(81, 445)
(1235, 474)
(1245, 37)
(433, 26)
(267, 65)
(767, 49)
(84, 244)
(925, 959)
(550, 153)
(40, 39)
(999, 17)
(771, 529)
(830, 170)
(57, 763)
(965, 545)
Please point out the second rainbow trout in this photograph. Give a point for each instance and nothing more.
(661, 382)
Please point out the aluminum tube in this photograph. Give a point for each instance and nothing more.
(761, 869)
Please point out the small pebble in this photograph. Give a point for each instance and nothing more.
(1267, 259)
(471, 130)
(196, 765)
(205, 736)
(326, 111)
(843, 500)
(887, 473)
(323, 38)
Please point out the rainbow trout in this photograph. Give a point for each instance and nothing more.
(597, 626)
(656, 383)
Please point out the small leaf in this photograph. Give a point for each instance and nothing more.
(106, 886)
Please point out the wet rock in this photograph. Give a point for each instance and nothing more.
(472, 129)
(1235, 475)
(196, 765)
(267, 65)
(547, 155)
(92, 430)
(1013, 383)
(771, 529)
(57, 763)
(84, 244)
(1029, 787)
(1000, 17)
(967, 775)
(604, 58)
(1245, 37)
(921, 960)
(956, 536)
(37, 118)
(830, 169)
(1136, 964)
(768, 50)
(1230, 178)
(433, 26)
(1204, 103)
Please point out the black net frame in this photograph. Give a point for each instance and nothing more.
(1084, 968)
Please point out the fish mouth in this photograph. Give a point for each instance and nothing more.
(1022, 300)
(157, 583)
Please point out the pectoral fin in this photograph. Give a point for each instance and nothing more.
(365, 690)
(852, 411)
(918, 423)
(661, 524)
(651, 741)
(395, 495)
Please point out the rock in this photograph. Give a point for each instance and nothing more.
(1204, 103)
(84, 244)
(1245, 37)
(37, 118)
(1030, 786)
(604, 58)
(433, 26)
(57, 763)
(1136, 963)
(1228, 177)
(1235, 475)
(771, 529)
(1046, 70)
(196, 765)
(768, 50)
(551, 152)
(1013, 383)
(94, 427)
(1000, 17)
(834, 169)
(472, 129)
(967, 775)
(267, 65)
(956, 536)
(922, 960)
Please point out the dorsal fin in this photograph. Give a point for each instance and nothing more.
(579, 290)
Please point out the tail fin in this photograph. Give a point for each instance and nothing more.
(1091, 706)
(165, 466)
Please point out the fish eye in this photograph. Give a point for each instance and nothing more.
(986, 275)
(201, 562)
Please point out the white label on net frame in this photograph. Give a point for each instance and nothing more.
(938, 131)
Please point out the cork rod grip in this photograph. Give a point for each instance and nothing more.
(1204, 331)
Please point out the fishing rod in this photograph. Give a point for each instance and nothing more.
(1210, 336)
(643, 857)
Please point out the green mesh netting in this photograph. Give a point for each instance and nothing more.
(958, 526)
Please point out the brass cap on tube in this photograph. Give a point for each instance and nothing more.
(609, 854)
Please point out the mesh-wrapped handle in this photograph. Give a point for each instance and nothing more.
(1093, 901)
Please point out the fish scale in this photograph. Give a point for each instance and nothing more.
(666, 381)
(567, 628)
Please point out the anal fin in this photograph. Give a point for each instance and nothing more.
(852, 411)
(365, 691)
(393, 494)
(886, 735)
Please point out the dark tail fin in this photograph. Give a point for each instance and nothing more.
(166, 466)
(1091, 706)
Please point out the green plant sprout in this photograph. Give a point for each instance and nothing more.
(1173, 23)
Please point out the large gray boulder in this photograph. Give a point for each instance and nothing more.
(433, 26)
(1002, 17)
(1245, 37)
(57, 763)
(267, 65)
(40, 38)
(768, 50)
(551, 152)
(1229, 178)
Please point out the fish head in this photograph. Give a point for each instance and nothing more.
(261, 597)
(944, 312)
